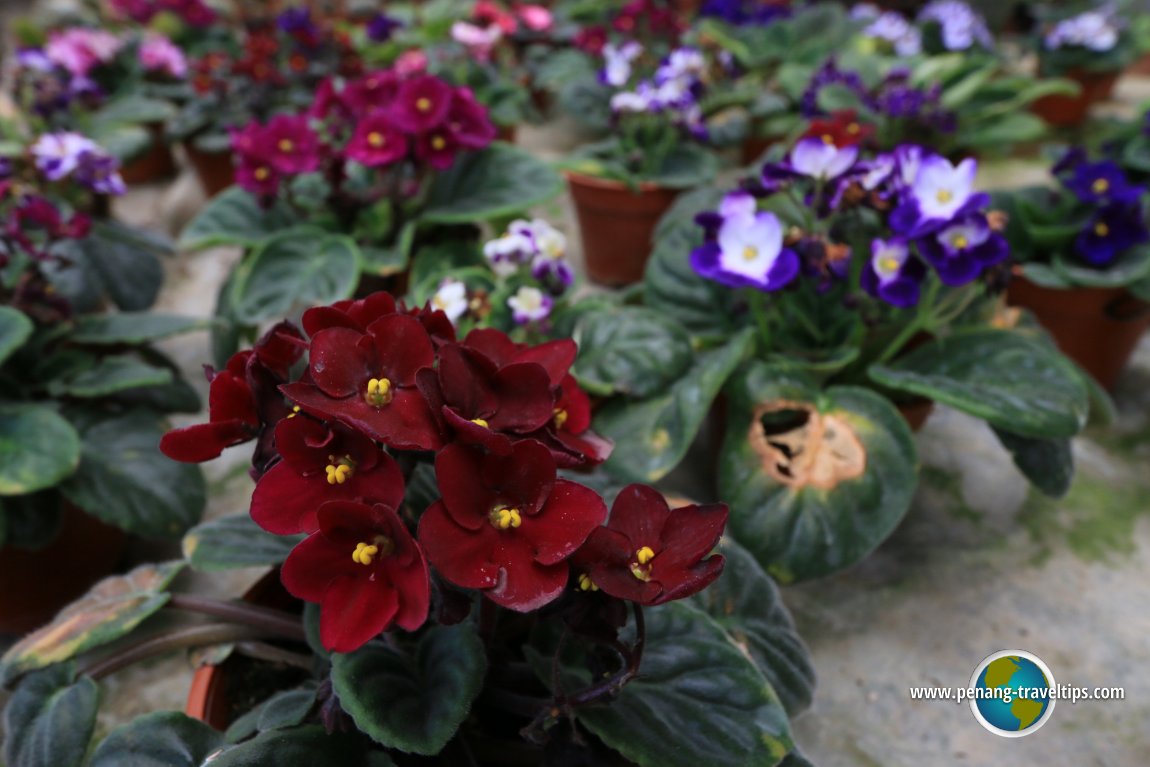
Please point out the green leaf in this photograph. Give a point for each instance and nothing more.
(15, 329)
(652, 436)
(1047, 463)
(300, 266)
(412, 703)
(134, 108)
(1013, 381)
(113, 262)
(956, 95)
(631, 350)
(499, 181)
(108, 376)
(230, 542)
(125, 480)
(50, 719)
(38, 448)
(284, 709)
(746, 603)
(698, 700)
(310, 746)
(816, 479)
(233, 217)
(132, 328)
(686, 166)
(160, 739)
(111, 609)
(1127, 268)
(1014, 128)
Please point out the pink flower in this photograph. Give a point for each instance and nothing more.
(79, 49)
(159, 54)
(535, 17)
(479, 41)
(413, 62)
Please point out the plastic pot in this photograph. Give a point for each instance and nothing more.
(1073, 110)
(616, 225)
(156, 164)
(215, 170)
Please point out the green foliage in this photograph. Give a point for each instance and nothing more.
(632, 351)
(38, 448)
(50, 719)
(162, 739)
(480, 186)
(236, 541)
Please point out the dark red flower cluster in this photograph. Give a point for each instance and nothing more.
(194, 13)
(382, 387)
(841, 129)
(379, 120)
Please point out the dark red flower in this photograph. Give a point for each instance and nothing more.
(365, 571)
(650, 554)
(367, 381)
(421, 104)
(468, 122)
(841, 129)
(290, 144)
(591, 40)
(321, 462)
(357, 314)
(254, 174)
(377, 141)
(506, 525)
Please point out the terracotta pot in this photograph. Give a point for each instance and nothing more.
(506, 133)
(916, 412)
(210, 699)
(156, 164)
(616, 225)
(1096, 327)
(1073, 110)
(1141, 66)
(754, 146)
(214, 169)
(36, 584)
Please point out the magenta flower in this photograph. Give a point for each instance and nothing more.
(159, 54)
(79, 50)
(291, 145)
(468, 122)
(377, 141)
(422, 104)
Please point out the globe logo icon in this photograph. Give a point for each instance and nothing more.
(1015, 693)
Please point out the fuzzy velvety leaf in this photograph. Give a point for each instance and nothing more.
(109, 376)
(301, 266)
(236, 541)
(1047, 463)
(50, 718)
(815, 479)
(160, 739)
(38, 448)
(310, 746)
(498, 181)
(413, 703)
(233, 217)
(15, 328)
(1128, 267)
(111, 609)
(132, 328)
(651, 436)
(746, 603)
(1010, 379)
(284, 709)
(631, 351)
(125, 480)
(124, 263)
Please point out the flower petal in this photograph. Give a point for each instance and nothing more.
(571, 513)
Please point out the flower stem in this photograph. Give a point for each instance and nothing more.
(923, 320)
(267, 620)
(182, 639)
(758, 303)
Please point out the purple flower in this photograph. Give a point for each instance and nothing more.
(892, 274)
(939, 193)
(1113, 230)
(830, 74)
(617, 63)
(961, 251)
(893, 28)
(747, 250)
(745, 12)
(530, 305)
(35, 59)
(817, 159)
(99, 172)
(57, 154)
(959, 25)
(1094, 30)
(1102, 182)
(381, 27)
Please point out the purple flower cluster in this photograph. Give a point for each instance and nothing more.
(746, 12)
(933, 218)
(674, 90)
(538, 248)
(1118, 221)
(67, 154)
(892, 27)
(894, 97)
(960, 26)
(1094, 30)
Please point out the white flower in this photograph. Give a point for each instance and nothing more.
(58, 154)
(451, 299)
(617, 62)
(506, 253)
(815, 158)
(941, 189)
(529, 305)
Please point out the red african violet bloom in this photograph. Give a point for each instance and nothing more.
(841, 129)
(291, 145)
(377, 141)
(421, 104)
(365, 571)
(506, 525)
(367, 381)
(357, 314)
(591, 40)
(483, 403)
(321, 462)
(467, 121)
(649, 553)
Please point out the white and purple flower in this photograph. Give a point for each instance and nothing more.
(815, 158)
(892, 274)
(892, 27)
(745, 248)
(479, 41)
(1094, 30)
(451, 299)
(617, 62)
(961, 251)
(58, 155)
(939, 193)
(530, 305)
(960, 26)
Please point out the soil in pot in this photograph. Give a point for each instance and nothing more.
(754, 147)
(1096, 327)
(1073, 110)
(156, 164)
(616, 226)
(214, 169)
(34, 585)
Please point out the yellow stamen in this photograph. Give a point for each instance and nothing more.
(586, 584)
(481, 422)
(376, 139)
(261, 174)
(944, 196)
(503, 518)
(340, 471)
(853, 128)
(961, 242)
(379, 392)
(889, 265)
(750, 253)
(437, 143)
(423, 104)
(641, 568)
(828, 138)
(286, 145)
(1100, 186)
(1101, 229)
(560, 417)
(294, 411)
(363, 553)
(644, 555)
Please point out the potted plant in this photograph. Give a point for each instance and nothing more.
(1091, 48)
(378, 170)
(1083, 252)
(83, 392)
(623, 184)
(824, 293)
(466, 603)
